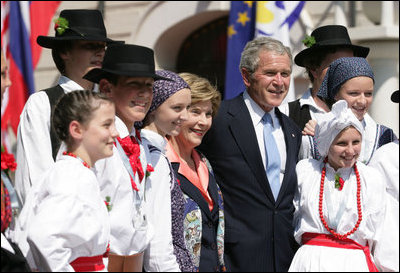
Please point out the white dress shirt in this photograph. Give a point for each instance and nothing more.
(159, 256)
(256, 114)
(306, 150)
(306, 99)
(34, 152)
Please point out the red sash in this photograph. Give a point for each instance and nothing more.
(318, 239)
(85, 264)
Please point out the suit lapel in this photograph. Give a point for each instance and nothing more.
(213, 191)
(243, 132)
(190, 190)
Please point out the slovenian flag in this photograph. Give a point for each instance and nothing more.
(21, 23)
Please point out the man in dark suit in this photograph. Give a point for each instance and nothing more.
(259, 231)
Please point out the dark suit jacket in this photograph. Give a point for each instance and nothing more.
(259, 231)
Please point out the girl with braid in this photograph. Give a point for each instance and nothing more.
(64, 225)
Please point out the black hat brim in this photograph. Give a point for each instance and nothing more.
(96, 74)
(51, 42)
(302, 56)
(395, 96)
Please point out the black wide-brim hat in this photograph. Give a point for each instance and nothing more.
(395, 96)
(77, 24)
(126, 60)
(326, 37)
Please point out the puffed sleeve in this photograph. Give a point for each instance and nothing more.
(34, 152)
(69, 221)
(384, 242)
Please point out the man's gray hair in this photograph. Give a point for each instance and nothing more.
(250, 55)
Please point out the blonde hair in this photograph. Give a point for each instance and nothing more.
(202, 90)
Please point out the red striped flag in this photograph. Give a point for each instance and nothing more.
(21, 23)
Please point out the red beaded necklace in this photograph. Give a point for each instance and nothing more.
(74, 155)
(6, 215)
(321, 197)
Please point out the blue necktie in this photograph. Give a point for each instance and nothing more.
(273, 159)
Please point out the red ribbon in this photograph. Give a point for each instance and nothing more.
(132, 150)
(85, 264)
(319, 239)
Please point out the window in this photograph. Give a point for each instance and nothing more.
(204, 53)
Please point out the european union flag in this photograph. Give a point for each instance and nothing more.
(240, 30)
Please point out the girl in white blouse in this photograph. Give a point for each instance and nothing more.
(64, 225)
(340, 203)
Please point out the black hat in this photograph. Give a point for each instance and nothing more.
(77, 24)
(395, 96)
(328, 36)
(126, 60)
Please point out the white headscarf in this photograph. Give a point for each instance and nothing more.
(332, 123)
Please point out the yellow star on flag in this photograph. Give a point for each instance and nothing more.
(231, 31)
(243, 18)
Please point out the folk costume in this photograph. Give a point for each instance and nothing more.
(204, 224)
(64, 225)
(354, 211)
(122, 180)
(374, 135)
(164, 178)
(166, 205)
(322, 40)
(122, 176)
(386, 161)
(35, 138)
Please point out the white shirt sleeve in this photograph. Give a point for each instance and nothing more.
(159, 256)
(69, 220)
(34, 152)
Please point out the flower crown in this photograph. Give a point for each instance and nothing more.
(61, 25)
(309, 41)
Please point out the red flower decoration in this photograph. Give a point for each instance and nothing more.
(149, 170)
(107, 202)
(8, 161)
(339, 182)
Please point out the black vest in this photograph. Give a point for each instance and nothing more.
(300, 115)
(13, 262)
(54, 94)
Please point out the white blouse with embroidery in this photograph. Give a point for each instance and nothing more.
(340, 213)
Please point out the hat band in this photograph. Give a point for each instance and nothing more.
(333, 42)
(130, 67)
(83, 32)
